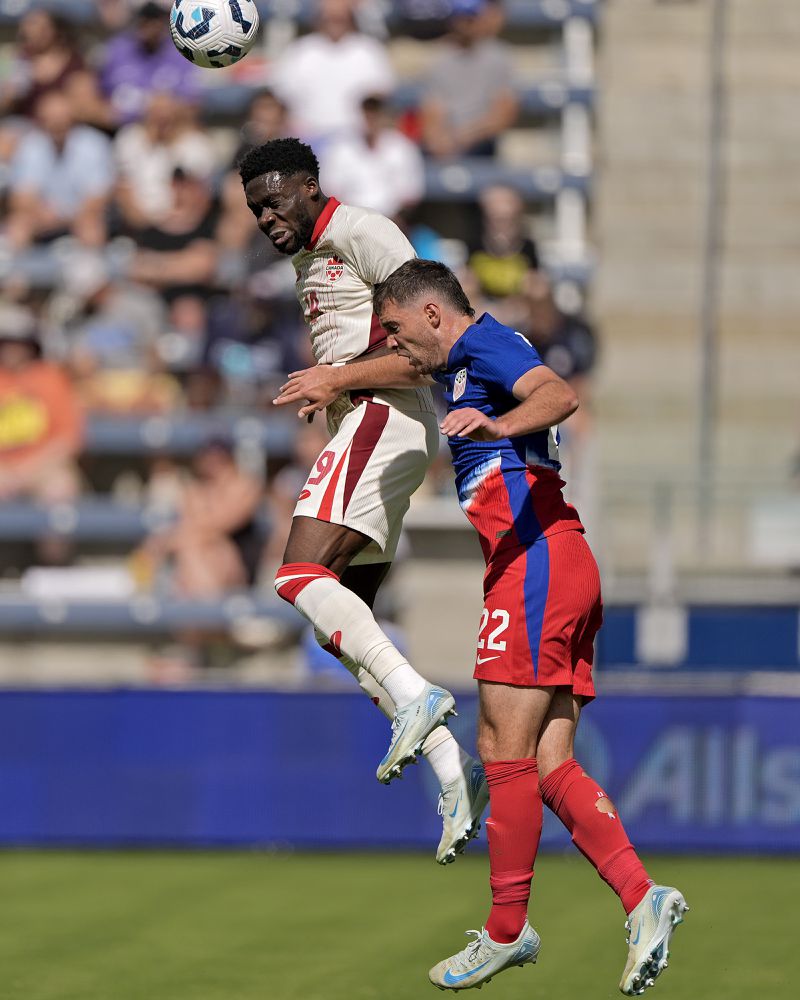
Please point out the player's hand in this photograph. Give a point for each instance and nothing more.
(471, 423)
(315, 387)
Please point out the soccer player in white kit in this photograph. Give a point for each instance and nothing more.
(349, 515)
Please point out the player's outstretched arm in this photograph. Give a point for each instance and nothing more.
(317, 387)
(545, 400)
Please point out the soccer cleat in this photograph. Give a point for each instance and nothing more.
(461, 805)
(411, 726)
(650, 926)
(484, 958)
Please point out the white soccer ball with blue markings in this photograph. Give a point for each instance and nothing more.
(213, 33)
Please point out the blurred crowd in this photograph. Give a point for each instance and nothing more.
(135, 283)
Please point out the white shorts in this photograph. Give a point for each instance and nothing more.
(365, 476)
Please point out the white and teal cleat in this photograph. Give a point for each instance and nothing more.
(461, 805)
(650, 927)
(483, 958)
(412, 725)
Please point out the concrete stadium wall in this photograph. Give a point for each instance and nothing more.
(652, 192)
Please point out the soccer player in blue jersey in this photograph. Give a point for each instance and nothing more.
(542, 610)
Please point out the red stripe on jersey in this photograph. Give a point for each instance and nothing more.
(325, 508)
(364, 442)
(324, 218)
(377, 335)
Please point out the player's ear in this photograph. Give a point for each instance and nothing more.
(433, 314)
(312, 187)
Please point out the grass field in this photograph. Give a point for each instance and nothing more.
(238, 926)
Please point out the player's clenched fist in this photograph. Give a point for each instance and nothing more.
(471, 423)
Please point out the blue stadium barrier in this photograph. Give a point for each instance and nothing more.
(731, 639)
(183, 434)
(200, 768)
(142, 615)
(94, 520)
(545, 98)
(722, 637)
(464, 179)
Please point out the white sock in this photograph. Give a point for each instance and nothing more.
(440, 749)
(333, 609)
(442, 752)
(371, 688)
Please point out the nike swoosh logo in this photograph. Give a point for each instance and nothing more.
(638, 934)
(455, 807)
(450, 979)
(485, 659)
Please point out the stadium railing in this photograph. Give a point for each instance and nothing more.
(182, 434)
(141, 615)
(708, 638)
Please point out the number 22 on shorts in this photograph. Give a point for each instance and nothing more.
(493, 640)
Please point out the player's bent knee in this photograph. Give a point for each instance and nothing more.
(332, 545)
(292, 578)
(493, 745)
(550, 758)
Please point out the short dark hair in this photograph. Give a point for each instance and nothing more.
(415, 278)
(279, 156)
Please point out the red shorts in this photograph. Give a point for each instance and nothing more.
(542, 610)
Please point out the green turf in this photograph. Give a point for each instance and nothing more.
(233, 926)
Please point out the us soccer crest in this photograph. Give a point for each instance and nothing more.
(334, 269)
(460, 384)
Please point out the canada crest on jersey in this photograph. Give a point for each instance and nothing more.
(460, 384)
(334, 269)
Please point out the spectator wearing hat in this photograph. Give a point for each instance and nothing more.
(469, 98)
(41, 427)
(141, 61)
(61, 178)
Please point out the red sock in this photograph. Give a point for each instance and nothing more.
(513, 830)
(597, 831)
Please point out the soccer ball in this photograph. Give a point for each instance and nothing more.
(213, 33)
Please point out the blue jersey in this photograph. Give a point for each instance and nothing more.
(510, 489)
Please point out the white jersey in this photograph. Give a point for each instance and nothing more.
(350, 251)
